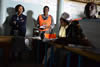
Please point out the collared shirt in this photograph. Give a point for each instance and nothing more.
(20, 23)
(62, 31)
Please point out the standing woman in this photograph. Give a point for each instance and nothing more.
(45, 23)
(18, 23)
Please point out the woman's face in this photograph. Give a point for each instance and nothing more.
(20, 10)
(46, 10)
(62, 23)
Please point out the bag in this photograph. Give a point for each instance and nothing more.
(50, 35)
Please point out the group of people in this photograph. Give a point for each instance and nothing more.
(69, 30)
(45, 22)
(18, 22)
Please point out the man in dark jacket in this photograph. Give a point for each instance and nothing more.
(74, 33)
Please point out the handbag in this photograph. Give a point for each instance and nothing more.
(50, 35)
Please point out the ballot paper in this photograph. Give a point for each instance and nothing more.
(43, 27)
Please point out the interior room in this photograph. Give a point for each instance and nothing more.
(49, 33)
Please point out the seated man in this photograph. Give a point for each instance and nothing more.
(90, 10)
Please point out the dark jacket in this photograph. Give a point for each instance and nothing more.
(20, 23)
(74, 34)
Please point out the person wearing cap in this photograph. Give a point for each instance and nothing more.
(60, 53)
(45, 22)
(64, 23)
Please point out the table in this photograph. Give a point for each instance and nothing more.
(5, 43)
(80, 51)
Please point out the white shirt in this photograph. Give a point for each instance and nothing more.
(62, 32)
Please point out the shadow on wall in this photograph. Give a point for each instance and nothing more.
(6, 26)
(81, 15)
(31, 22)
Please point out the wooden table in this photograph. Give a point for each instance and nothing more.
(79, 51)
(5, 43)
(83, 52)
